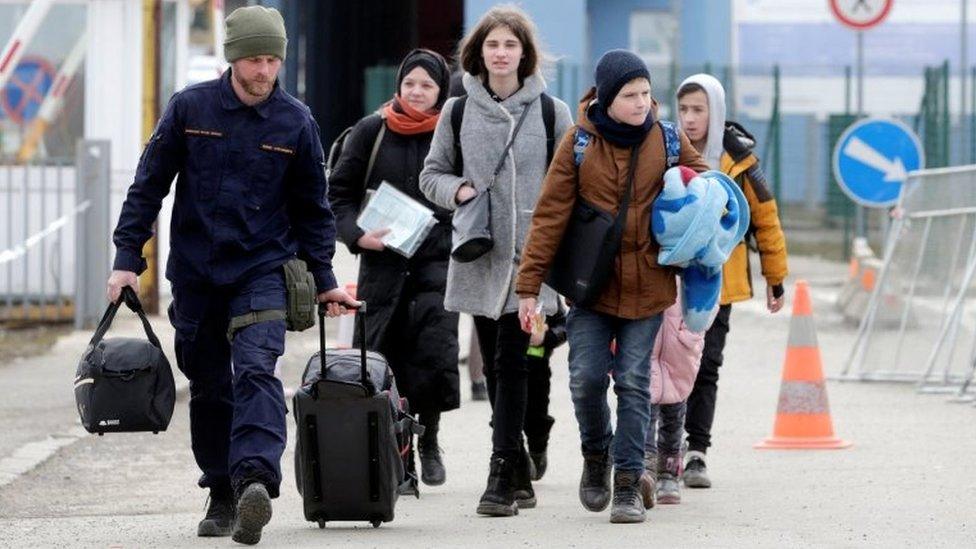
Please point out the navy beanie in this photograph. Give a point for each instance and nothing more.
(614, 70)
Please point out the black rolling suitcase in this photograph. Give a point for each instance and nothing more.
(352, 449)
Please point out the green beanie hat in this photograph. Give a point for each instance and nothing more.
(254, 30)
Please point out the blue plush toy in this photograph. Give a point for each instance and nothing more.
(698, 219)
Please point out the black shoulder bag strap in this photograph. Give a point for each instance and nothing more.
(457, 116)
(508, 147)
(618, 224)
(549, 120)
(132, 301)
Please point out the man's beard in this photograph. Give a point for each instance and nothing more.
(254, 88)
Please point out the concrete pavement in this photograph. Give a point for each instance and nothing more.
(908, 480)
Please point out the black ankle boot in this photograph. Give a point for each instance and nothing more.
(432, 471)
(220, 515)
(253, 513)
(522, 482)
(538, 444)
(499, 497)
(594, 489)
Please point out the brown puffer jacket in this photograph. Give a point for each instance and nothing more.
(639, 287)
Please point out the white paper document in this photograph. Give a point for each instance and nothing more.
(409, 221)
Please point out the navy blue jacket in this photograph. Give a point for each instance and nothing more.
(251, 192)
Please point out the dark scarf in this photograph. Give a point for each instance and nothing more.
(618, 133)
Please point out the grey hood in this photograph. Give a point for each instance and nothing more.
(716, 116)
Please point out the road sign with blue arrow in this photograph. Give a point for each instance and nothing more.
(872, 159)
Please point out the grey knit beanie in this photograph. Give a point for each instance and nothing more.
(254, 30)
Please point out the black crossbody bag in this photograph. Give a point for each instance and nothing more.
(586, 254)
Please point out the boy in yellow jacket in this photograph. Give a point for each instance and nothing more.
(727, 146)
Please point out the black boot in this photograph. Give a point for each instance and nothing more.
(499, 497)
(220, 515)
(594, 489)
(524, 494)
(432, 471)
(538, 444)
(253, 513)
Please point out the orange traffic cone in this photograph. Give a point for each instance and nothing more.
(803, 415)
(346, 323)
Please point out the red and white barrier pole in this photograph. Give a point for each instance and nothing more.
(21, 38)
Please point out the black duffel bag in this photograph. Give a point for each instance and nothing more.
(124, 385)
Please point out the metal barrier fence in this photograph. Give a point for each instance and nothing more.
(920, 324)
(37, 241)
(54, 246)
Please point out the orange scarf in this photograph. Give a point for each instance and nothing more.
(406, 120)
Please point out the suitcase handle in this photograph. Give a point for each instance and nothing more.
(364, 377)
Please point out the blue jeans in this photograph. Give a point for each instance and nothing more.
(590, 364)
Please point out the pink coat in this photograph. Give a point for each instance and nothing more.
(675, 359)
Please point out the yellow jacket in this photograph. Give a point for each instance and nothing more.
(764, 227)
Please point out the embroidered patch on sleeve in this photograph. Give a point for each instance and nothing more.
(276, 148)
(204, 133)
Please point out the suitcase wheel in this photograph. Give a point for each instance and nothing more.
(376, 523)
(101, 434)
(155, 432)
(321, 523)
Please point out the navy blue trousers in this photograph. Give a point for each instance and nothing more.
(237, 406)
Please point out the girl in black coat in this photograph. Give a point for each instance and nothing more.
(407, 320)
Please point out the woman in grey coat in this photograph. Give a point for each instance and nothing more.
(501, 61)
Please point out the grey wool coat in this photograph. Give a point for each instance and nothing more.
(486, 286)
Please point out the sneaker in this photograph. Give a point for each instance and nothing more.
(627, 504)
(540, 461)
(594, 488)
(432, 471)
(648, 480)
(498, 499)
(522, 482)
(696, 471)
(479, 391)
(220, 516)
(668, 479)
(253, 513)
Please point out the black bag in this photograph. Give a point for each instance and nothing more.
(124, 385)
(472, 236)
(585, 258)
(353, 446)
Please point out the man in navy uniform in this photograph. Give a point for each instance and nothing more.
(250, 196)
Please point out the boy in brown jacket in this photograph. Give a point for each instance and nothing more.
(620, 129)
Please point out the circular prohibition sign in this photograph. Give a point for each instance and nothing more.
(26, 89)
(861, 14)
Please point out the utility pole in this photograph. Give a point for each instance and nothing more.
(149, 279)
(860, 224)
(963, 67)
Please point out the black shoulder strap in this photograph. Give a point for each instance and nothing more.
(549, 119)
(374, 151)
(457, 116)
